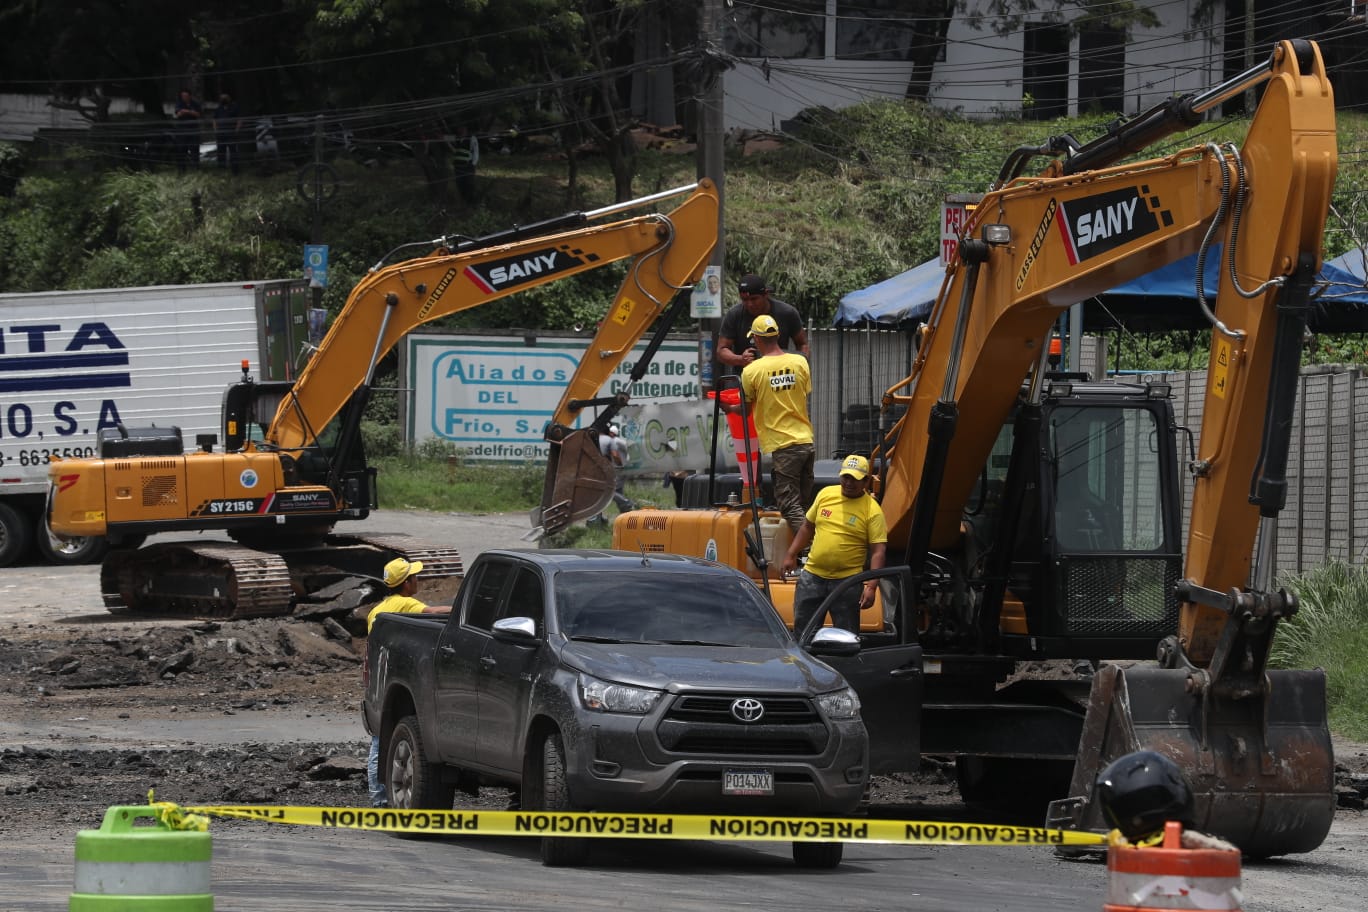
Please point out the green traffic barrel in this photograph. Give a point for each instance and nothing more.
(126, 868)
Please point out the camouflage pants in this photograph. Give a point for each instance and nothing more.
(791, 469)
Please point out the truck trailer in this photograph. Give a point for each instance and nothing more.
(75, 364)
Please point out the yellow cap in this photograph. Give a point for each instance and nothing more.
(856, 467)
(398, 570)
(764, 325)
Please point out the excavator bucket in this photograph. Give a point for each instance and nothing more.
(579, 482)
(1261, 767)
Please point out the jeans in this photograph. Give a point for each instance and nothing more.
(376, 785)
(810, 593)
(792, 468)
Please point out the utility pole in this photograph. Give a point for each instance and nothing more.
(710, 165)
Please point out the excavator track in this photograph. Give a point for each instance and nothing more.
(227, 580)
(203, 579)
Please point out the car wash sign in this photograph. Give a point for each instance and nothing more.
(492, 396)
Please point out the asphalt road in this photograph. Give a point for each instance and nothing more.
(266, 867)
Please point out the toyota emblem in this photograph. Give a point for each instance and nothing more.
(747, 709)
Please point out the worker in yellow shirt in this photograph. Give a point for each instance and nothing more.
(845, 526)
(777, 385)
(400, 578)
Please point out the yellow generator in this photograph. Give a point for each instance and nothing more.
(720, 535)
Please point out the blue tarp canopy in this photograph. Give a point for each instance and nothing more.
(1165, 299)
(902, 301)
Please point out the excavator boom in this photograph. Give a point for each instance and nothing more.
(282, 479)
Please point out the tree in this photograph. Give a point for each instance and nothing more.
(97, 49)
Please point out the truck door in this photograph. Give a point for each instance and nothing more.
(506, 674)
(887, 675)
(456, 662)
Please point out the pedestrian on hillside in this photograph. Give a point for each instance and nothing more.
(846, 528)
(733, 349)
(776, 386)
(400, 578)
(187, 116)
(228, 132)
(615, 449)
(465, 153)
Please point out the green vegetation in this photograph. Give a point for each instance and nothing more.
(1330, 631)
(849, 198)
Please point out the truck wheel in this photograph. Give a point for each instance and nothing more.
(15, 533)
(818, 854)
(558, 852)
(64, 551)
(411, 780)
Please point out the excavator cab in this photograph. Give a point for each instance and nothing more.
(1108, 471)
(1095, 549)
(248, 407)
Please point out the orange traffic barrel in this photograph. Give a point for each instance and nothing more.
(745, 439)
(1168, 876)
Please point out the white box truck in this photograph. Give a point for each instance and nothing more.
(73, 363)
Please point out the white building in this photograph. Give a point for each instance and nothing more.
(840, 52)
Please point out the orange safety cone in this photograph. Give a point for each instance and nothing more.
(1168, 876)
(744, 438)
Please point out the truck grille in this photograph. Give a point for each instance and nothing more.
(696, 724)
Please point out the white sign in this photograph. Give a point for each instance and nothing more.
(706, 300)
(492, 397)
(672, 436)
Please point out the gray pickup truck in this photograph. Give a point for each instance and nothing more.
(610, 681)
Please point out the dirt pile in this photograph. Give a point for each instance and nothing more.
(164, 662)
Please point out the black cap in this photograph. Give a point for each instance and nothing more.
(751, 284)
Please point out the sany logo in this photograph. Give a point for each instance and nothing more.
(526, 269)
(66, 481)
(1096, 224)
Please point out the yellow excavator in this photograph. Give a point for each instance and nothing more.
(1036, 516)
(292, 464)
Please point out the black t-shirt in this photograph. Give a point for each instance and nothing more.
(736, 324)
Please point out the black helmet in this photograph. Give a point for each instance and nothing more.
(1141, 791)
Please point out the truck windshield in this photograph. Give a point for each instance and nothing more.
(654, 607)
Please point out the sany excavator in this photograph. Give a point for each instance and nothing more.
(1034, 516)
(292, 464)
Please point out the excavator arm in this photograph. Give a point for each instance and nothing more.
(1255, 742)
(206, 490)
(669, 252)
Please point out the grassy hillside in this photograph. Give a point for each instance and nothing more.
(850, 198)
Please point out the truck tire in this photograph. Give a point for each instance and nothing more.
(818, 855)
(411, 780)
(16, 531)
(558, 852)
(67, 551)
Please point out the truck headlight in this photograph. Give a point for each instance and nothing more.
(605, 696)
(840, 705)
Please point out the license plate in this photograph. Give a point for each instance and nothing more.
(748, 782)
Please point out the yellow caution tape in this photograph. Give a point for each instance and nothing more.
(656, 826)
(175, 817)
